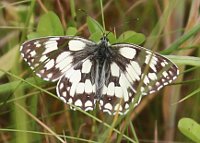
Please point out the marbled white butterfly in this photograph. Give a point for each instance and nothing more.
(89, 72)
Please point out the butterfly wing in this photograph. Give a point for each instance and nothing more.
(51, 57)
(134, 70)
(117, 91)
(130, 70)
(77, 86)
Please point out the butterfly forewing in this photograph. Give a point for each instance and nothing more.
(141, 65)
(51, 57)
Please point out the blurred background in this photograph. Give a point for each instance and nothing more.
(28, 114)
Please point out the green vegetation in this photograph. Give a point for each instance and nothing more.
(30, 110)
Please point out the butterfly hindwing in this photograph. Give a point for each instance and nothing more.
(51, 57)
(117, 91)
(77, 86)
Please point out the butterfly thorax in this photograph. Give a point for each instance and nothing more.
(103, 51)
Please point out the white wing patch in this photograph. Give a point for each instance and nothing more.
(88, 86)
(62, 56)
(50, 64)
(86, 67)
(127, 52)
(151, 60)
(76, 45)
(114, 70)
(136, 67)
(131, 71)
(80, 88)
(125, 85)
(50, 46)
(152, 76)
(64, 63)
(111, 89)
(43, 58)
(33, 53)
(118, 92)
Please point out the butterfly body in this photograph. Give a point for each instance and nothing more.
(102, 57)
(89, 72)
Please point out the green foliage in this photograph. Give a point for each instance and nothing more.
(131, 37)
(9, 56)
(94, 26)
(95, 36)
(71, 31)
(185, 60)
(49, 25)
(190, 129)
(96, 31)
(176, 44)
(20, 85)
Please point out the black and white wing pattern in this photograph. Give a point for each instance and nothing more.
(117, 93)
(77, 86)
(133, 60)
(51, 57)
(89, 72)
(127, 76)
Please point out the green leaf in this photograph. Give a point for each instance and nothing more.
(50, 25)
(9, 56)
(131, 37)
(34, 35)
(94, 26)
(8, 87)
(111, 37)
(190, 129)
(71, 31)
(184, 60)
(96, 36)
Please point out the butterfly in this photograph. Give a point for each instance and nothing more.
(90, 74)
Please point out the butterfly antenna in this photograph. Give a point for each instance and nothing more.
(107, 34)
